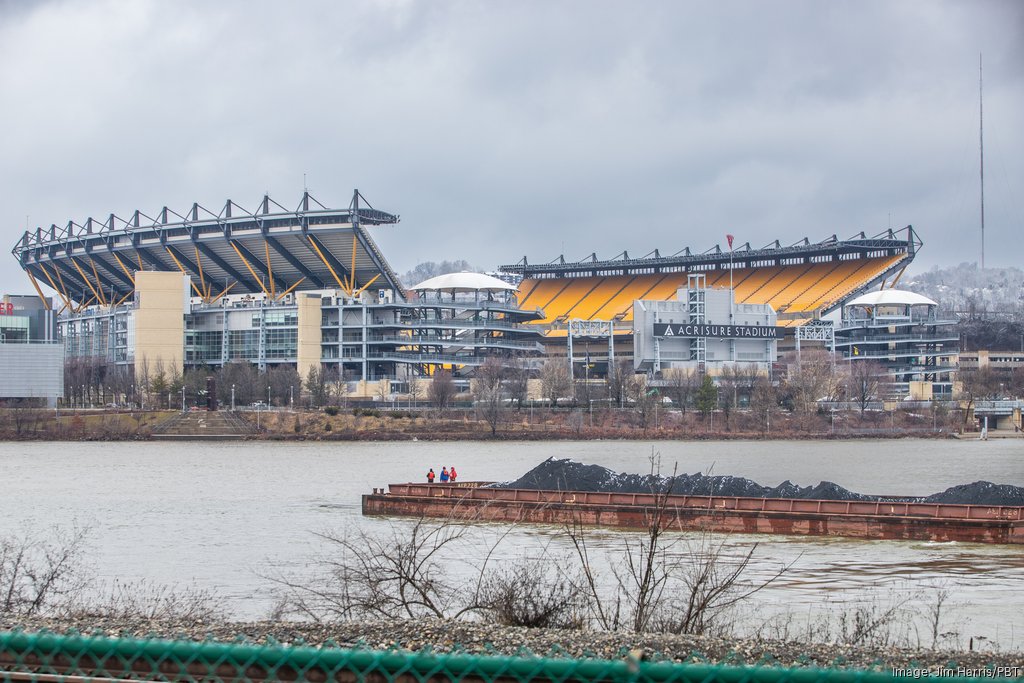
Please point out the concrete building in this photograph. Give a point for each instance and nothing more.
(903, 333)
(703, 328)
(31, 360)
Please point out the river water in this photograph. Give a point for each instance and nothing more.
(220, 515)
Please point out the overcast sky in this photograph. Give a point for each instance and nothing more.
(503, 129)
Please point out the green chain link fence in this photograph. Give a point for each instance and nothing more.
(44, 656)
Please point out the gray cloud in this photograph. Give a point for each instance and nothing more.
(504, 129)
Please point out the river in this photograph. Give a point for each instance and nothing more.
(220, 515)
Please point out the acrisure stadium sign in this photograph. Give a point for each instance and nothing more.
(693, 330)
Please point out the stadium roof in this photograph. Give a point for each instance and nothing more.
(464, 282)
(891, 297)
(271, 250)
(887, 243)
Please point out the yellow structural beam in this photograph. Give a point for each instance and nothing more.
(99, 285)
(226, 290)
(270, 269)
(84, 278)
(85, 305)
(898, 276)
(363, 288)
(124, 268)
(182, 269)
(60, 290)
(254, 275)
(344, 288)
(202, 280)
(289, 290)
(352, 270)
(46, 302)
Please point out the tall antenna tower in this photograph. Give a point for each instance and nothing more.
(981, 146)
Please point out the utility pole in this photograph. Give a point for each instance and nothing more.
(981, 146)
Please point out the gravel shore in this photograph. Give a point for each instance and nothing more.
(446, 636)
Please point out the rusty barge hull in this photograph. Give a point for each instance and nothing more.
(468, 501)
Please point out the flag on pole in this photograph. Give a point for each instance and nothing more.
(729, 238)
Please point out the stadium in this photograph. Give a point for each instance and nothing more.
(803, 283)
(310, 288)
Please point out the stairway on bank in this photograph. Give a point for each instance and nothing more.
(201, 424)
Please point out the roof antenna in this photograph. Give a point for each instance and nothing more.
(305, 188)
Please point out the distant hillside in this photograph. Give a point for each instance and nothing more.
(971, 292)
(429, 269)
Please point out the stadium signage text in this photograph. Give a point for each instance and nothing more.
(717, 331)
(6, 309)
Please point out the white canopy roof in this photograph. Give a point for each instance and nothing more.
(891, 297)
(464, 282)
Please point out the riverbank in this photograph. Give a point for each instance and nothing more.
(446, 636)
(373, 424)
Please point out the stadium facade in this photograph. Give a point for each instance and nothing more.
(306, 288)
(309, 288)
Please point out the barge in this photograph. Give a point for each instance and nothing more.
(473, 501)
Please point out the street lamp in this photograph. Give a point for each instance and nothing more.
(183, 399)
(232, 398)
(268, 397)
(291, 397)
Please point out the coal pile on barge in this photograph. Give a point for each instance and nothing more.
(567, 475)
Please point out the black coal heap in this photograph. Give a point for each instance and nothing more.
(566, 475)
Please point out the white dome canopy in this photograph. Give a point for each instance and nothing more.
(464, 282)
(891, 297)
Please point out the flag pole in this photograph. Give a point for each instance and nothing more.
(732, 292)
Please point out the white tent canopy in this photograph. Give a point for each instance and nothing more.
(464, 282)
(891, 297)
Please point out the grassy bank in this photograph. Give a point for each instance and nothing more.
(457, 424)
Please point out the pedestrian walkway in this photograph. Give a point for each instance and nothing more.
(218, 425)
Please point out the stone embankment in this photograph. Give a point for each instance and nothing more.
(473, 638)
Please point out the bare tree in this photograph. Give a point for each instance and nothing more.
(284, 382)
(534, 593)
(764, 401)
(488, 393)
(442, 390)
(554, 380)
(415, 390)
(517, 380)
(403, 574)
(654, 571)
(864, 382)
(621, 375)
(145, 600)
(383, 390)
(37, 574)
(811, 377)
(682, 384)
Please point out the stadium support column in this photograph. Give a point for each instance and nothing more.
(160, 318)
(569, 345)
(309, 333)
